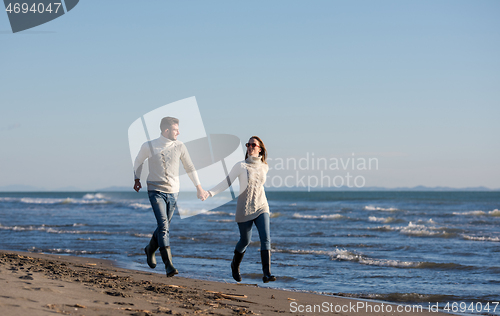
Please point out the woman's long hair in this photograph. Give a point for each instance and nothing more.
(263, 151)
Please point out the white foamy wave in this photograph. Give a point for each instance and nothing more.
(44, 201)
(59, 201)
(191, 212)
(495, 212)
(52, 230)
(376, 219)
(430, 221)
(69, 251)
(473, 213)
(481, 238)
(142, 235)
(346, 255)
(321, 217)
(216, 213)
(306, 252)
(97, 196)
(140, 206)
(382, 219)
(422, 230)
(384, 228)
(374, 208)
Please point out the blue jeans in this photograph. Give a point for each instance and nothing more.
(262, 224)
(164, 205)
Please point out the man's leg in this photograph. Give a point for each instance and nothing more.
(262, 223)
(164, 208)
(166, 254)
(150, 250)
(159, 205)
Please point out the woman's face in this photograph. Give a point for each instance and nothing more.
(253, 151)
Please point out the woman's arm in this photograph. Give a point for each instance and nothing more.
(235, 172)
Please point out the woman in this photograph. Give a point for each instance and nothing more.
(252, 206)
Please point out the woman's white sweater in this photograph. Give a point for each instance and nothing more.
(252, 199)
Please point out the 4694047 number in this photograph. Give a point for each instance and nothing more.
(35, 8)
(478, 307)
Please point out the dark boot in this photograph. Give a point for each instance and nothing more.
(166, 256)
(235, 265)
(150, 252)
(265, 256)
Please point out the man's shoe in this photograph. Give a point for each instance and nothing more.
(150, 250)
(166, 256)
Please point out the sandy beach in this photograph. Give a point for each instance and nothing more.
(41, 284)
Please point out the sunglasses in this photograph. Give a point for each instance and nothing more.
(253, 145)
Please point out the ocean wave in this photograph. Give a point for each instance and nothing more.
(304, 252)
(70, 251)
(403, 297)
(52, 230)
(206, 212)
(470, 213)
(142, 235)
(140, 206)
(384, 219)
(385, 228)
(56, 201)
(342, 254)
(481, 238)
(375, 208)
(495, 212)
(192, 212)
(90, 196)
(320, 217)
(346, 255)
(422, 230)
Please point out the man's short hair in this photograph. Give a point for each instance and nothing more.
(167, 122)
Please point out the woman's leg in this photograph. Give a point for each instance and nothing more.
(262, 223)
(245, 236)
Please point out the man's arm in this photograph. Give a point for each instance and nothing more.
(193, 175)
(143, 154)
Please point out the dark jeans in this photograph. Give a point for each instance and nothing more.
(262, 224)
(164, 205)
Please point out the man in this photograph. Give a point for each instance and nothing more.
(164, 154)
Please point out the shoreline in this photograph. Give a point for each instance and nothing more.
(44, 284)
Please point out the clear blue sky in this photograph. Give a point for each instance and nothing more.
(414, 83)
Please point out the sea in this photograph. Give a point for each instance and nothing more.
(405, 247)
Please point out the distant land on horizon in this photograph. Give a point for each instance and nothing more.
(28, 188)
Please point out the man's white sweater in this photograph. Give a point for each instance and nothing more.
(163, 156)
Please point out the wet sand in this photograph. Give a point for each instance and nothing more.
(41, 284)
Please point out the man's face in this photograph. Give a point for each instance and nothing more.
(172, 132)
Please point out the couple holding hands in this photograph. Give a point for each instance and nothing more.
(164, 155)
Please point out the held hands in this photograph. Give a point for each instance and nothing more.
(137, 185)
(201, 194)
